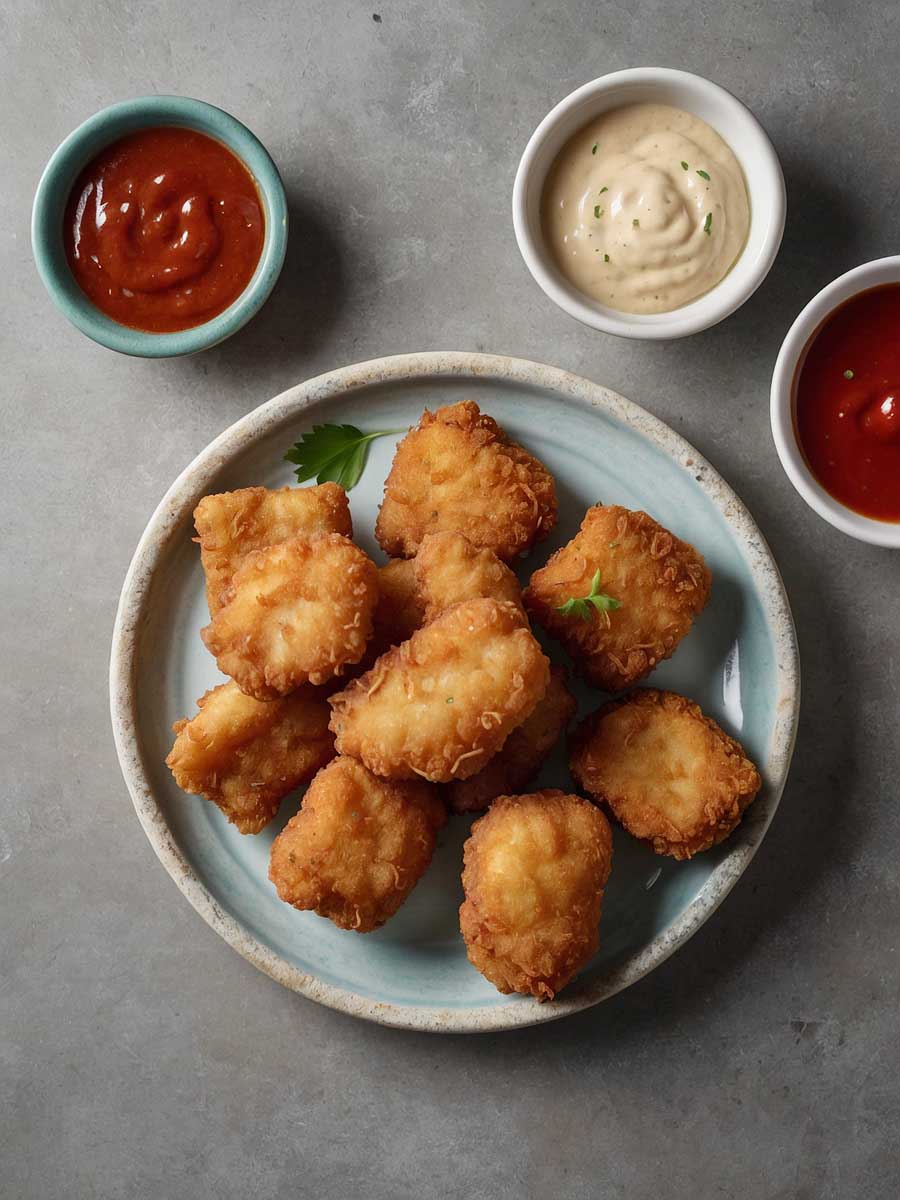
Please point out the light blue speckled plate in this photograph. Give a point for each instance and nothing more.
(739, 662)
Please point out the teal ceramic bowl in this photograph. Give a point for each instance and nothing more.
(76, 152)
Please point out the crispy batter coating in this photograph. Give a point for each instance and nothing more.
(448, 569)
(358, 845)
(442, 703)
(661, 582)
(523, 753)
(458, 472)
(399, 612)
(294, 613)
(232, 524)
(245, 756)
(668, 773)
(534, 872)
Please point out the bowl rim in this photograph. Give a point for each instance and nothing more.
(805, 328)
(726, 296)
(55, 185)
(175, 508)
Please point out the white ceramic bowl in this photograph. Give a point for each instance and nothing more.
(787, 366)
(731, 120)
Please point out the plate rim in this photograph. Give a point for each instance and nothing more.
(182, 495)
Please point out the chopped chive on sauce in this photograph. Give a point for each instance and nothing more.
(636, 223)
(707, 224)
(602, 190)
(848, 374)
(606, 258)
(703, 175)
(594, 148)
(598, 211)
(684, 165)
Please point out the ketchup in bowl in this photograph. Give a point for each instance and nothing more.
(163, 229)
(847, 406)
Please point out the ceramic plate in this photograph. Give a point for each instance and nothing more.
(739, 662)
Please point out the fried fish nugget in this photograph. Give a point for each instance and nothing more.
(523, 753)
(444, 702)
(660, 582)
(669, 774)
(232, 524)
(448, 569)
(295, 613)
(245, 756)
(534, 872)
(458, 472)
(357, 847)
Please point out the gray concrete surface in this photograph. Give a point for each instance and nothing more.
(141, 1057)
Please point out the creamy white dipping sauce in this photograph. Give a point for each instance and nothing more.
(645, 208)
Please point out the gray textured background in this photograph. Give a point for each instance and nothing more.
(139, 1055)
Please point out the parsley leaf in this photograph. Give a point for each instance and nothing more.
(580, 606)
(333, 454)
(707, 224)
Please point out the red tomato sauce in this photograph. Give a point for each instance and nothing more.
(164, 229)
(847, 412)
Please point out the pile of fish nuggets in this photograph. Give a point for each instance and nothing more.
(405, 692)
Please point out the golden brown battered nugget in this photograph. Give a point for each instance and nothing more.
(399, 612)
(231, 524)
(668, 773)
(523, 753)
(448, 569)
(444, 702)
(295, 613)
(245, 756)
(534, 872)
(660, 583)
(358, 845)
(458, 472)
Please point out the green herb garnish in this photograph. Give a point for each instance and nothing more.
(449, 699)
(598, 211)
(636, 223)
(707, 224)
(580, 606)
(594, 148)
(333, 453)
(602, 190)
(848, 374)
(606, 258)
(684, 165)
(703, 175)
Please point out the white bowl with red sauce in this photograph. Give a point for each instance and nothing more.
(835, 403)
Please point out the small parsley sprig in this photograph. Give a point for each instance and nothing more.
(580, 606)
(334, 454)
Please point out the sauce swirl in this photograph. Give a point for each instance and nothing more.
(645, 209)
(163, 229)
(847, 404)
